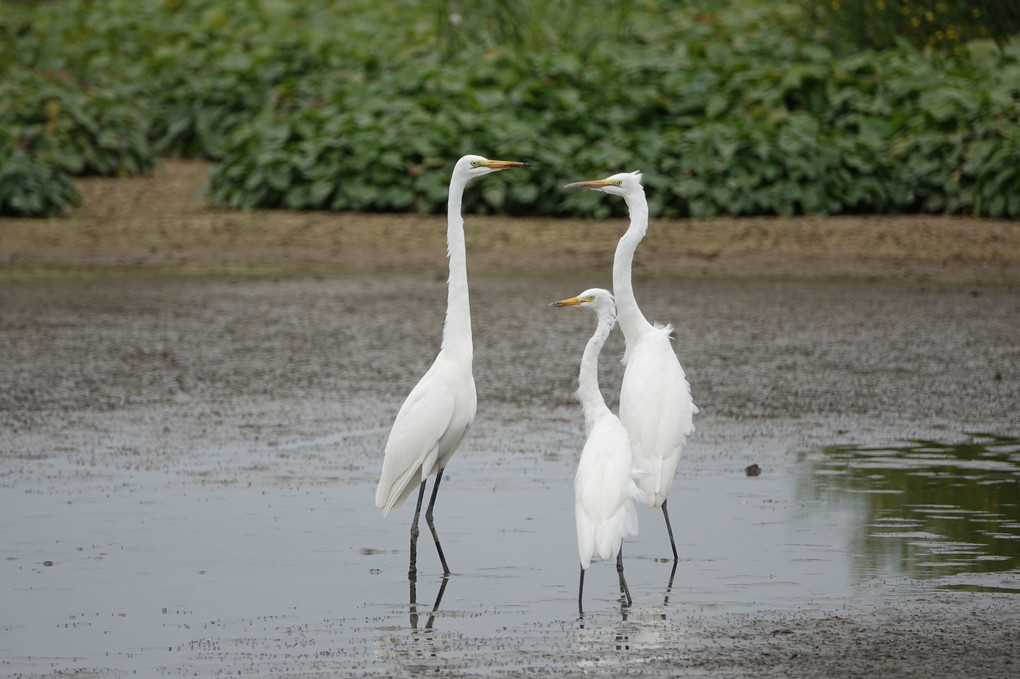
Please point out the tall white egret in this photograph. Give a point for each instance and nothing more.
(604, 488)
(655, 398)
(436, 415)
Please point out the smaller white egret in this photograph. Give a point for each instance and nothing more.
(655, 398)
(604, 488)
(436, 415)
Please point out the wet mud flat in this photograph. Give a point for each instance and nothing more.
(187, 470)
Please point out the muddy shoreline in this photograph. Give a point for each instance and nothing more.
(194, 402)
(194, 457)
(161, 222)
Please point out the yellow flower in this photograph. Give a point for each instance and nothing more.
(976, 12)
(941, 7)
(835, 5)
(939, 35)
(929, 16)
(880, 4)
(914, 22)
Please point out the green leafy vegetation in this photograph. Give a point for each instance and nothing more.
(79, 127)
(727, 107)
(29, 186)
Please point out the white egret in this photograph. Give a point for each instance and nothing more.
(604, 488)
(655, 398)
(436, 415)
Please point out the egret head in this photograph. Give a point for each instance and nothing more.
(475, 166)
(597, 299)
(621, 184)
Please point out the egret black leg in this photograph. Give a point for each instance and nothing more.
(580, 593)
(623, 581)
(432, 526)
(412, 572)
(669, 529)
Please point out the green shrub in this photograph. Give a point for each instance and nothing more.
(720, 125)
(727, 107)
(82, 128)
(57, 126)
(30, 187)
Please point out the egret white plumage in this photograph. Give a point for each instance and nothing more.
(433, 420)
(604, 488)
(655, 397)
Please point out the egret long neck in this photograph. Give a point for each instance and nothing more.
(588, 393)
(457, 329)
(631, 319)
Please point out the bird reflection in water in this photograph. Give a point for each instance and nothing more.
(669, 585)
(414, 617)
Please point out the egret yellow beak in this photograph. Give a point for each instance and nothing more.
(594, 184)
(573, 301)
(503, 164)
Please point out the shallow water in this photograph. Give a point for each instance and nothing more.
(926, 509)
(188, 471)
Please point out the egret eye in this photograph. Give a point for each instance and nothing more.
(589, 298)
(476, 163)
(618, 182)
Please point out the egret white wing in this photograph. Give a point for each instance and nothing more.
(426, 419)
(604, 505)
(657, 410)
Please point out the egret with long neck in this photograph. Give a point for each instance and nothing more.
(655, 397)
(604, 488)
(435, 417)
